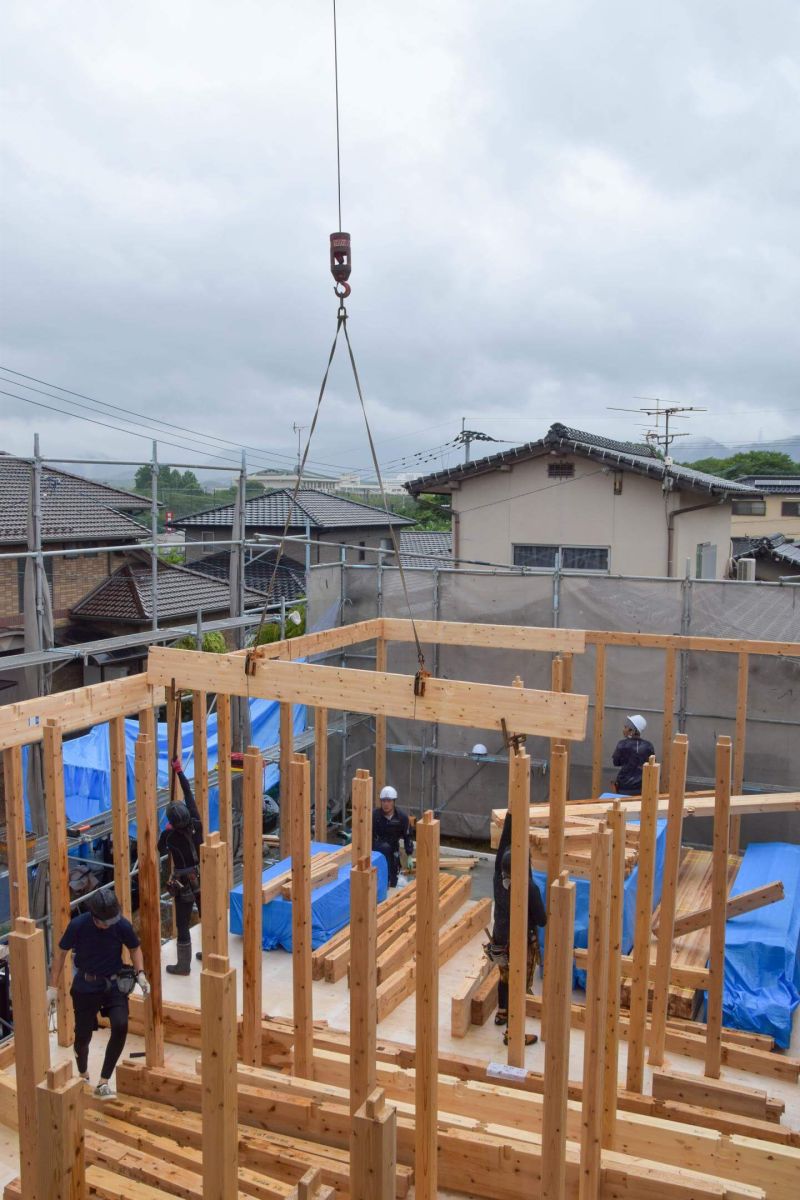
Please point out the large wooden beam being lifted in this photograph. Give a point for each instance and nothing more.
(22, 723)
(492, 637)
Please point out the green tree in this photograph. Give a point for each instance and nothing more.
(213, 642)
(748, 462)
(271, 632)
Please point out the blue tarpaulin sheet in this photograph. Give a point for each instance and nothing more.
(761, 986)
(330, 904)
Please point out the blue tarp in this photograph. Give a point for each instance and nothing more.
(330, 904)
(761, 986)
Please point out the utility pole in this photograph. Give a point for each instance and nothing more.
(468, 436)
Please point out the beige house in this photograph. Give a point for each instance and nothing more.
(587, 503)
(776, 509)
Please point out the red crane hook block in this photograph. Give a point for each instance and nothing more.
(341, 262)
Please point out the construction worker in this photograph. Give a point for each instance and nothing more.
(498, 949)
(182, 839)
(390, 826)
(630, 755)
(101, 983)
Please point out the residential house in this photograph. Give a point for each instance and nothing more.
(588, 503)
(429, 548)
(775, 557)
(775, 510)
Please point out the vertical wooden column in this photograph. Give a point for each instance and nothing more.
(556, 685)
(224, 781)
(559, 769)
(615, 822)
(362, 816)
(519, 791)
(200, 755)
(594, 1035)
(252, 801)
(670, 657)
(380, 723)
(149, 897)
(147, 725)
(321, 774)
(373, 1166)
(59, 873)
(363, 980)
(558, 1000)
(31, 1041)
(740, 736)
(719, 900)
(644, 914)
(287, 750)
(120, 825)
(599, 718)
(62, 1160)
(218, 1074)
(427, 1010)
(566, 686)
(15, 833)
(214, 872)
(669, 895)
(300, 790)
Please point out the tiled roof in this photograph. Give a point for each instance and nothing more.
(73, 508)
(289, 581)
(772, 484)
(319, 509)
(127, 595)
(776, 548)
(426, 548)
(635, 456)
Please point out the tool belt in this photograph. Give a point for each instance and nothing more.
(184, 884)
(125, 979)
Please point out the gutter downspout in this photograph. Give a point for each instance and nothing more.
(678, 512)
(456, 536)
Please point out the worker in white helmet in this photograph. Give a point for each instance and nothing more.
(390, 827)
(630, 755)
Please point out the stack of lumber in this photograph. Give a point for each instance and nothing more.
(324, 869)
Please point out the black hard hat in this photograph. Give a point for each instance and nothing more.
(178, 815)
(104, 906)
(505, 864)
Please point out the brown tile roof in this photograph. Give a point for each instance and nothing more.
(127, 595)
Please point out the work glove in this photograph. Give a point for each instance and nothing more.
(141, 979)
(177, 765)
(52, 997)
(411, 862)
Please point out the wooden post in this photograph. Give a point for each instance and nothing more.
(519, 792)
(300, 790)
(214, 872)
(669, 893)
(380, 723)
(149, 897)
(740, 736)
(120, 826)
(594, 1035)
(321, 774)
(362, 818)
(566, 686)
(286, 752)
(426, 1115)
(558, 985)
(224, 781)
(363, 980)
(61, 1165)
(599, 718)
(559, 770)
(252, 800)
(220, 1099)
(15, 833)
(556, 685)
(644, 915)
(615, 822)
(147, 725)
(200, 745)
(719, 898)
(59, 872)
(31, 1042)
(670, 658)
(373, 1166)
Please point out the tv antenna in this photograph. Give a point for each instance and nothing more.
(667, 412)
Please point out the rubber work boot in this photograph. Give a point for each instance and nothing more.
(184, 964)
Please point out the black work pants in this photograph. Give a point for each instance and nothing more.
(87, 1005)
(184, 907)
(392, 855)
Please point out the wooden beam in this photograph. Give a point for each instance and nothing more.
(401, 946)
(558, 984)
(599, 718)
(120, 825)
(200, 744)
(615, 822)
(694, 806)
(362, 804)
(214, 872)
(740, 736)
(286, 736)
(461, 1000)
(363, 981)
(644, 916)
(451, 701)
(669, 895)
(149, 896)
(714, 645)
(594, 1038)
(32, 1045)
(15, 833)
(21, 723)
(427, 1009)
(381, 651)
(321, 774)
(224, 778)
(60, 911)
(745, 902)
(497, 637)
(373, 1160)
(681, 975)
(669, 709)
(519, 793)
(252, 801)
(719, 894)
(61, 1171)
(309, 644)
(300, 792)
(220, 1099)
(712, 1093)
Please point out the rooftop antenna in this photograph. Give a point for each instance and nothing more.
(668, 412)
(299, 430)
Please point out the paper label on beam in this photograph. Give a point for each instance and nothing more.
(504, 1071)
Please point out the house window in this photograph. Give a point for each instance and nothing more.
(749, 508)
(790, 508)
(362, 553)
(571, 558)
(48, 571)
(560, 470)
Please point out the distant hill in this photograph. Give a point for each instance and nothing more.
(693, 449)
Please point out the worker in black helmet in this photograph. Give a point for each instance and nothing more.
(182, 839)
(101, 983)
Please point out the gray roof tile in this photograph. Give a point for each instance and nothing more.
(127, 595)
(73, 508)
(289, 581)
(426, 548)
(319, 509)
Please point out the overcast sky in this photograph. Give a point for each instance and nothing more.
(555, 207)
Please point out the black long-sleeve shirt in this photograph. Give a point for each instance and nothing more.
(537, 915)
(630, 755)
(184, 844)
(392, 830)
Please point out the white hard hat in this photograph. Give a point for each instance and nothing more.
(479, 748)
(638, 722)
(388, 793)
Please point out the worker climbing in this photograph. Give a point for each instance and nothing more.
(182, 839)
